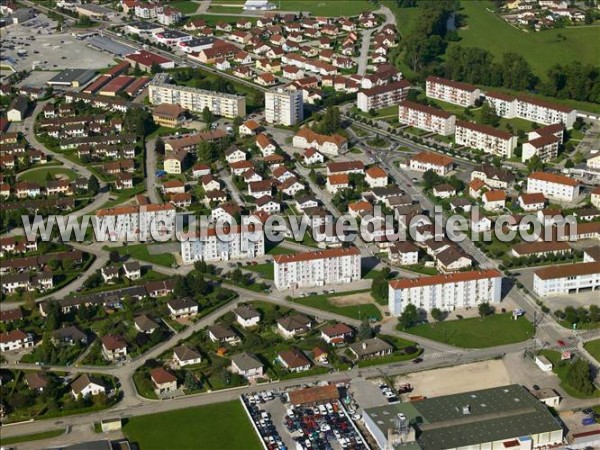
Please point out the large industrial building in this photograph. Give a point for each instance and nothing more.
(506, 417)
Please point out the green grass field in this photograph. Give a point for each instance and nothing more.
(593, 348)
(498, 329)
(561, 369)
(543, 49)
(40, 175)
(31, 437)
(358, 312)
(186, 7)
(212, 427)
(327, 8)
(140, 251)
(265, 270)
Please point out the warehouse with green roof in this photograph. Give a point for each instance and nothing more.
(507, 418)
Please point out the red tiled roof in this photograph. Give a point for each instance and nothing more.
(318, 254)
(407, 283)
(554, 178)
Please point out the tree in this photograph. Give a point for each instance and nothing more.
(485, 309)
(93, 185)
(409, 317)
(136, 70)
(437, 314)
(53, 316)
(208, 152)
(207, 117)
(159, 146)
(579, 377)
(138, 121)
(364, 331)
(489, 116)
(114, 256)
(155, 68)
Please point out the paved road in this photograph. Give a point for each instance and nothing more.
(363, 59)
(150, 167)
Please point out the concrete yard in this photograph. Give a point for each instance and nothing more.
(458, 379)
(55, 51)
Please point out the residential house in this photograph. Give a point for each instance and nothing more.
(293, 325)
(294, 360)
(184, 355)
(371, 348)
(86, 386)
(182, 307)
(114, 348)
(247, 365)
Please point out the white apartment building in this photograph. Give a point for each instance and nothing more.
(317, 268)
(241, 242)
(226, 105)
(554, 186)
(486, 138)
(445, 292)
(426, 118)
(382, 96)
(546, 147)
(142, 222)
(535, 110)
(567, 279)
(284, 107)
(462, 94)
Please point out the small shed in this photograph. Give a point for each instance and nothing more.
(543, 363)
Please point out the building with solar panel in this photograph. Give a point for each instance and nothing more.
(506, 417)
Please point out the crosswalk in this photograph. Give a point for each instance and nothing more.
(438, 355)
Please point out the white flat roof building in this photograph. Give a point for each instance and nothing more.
(284, 107)
(318, 268)
(226, 105)
(457, 93)
(445, 292)
(426, 118)
(567, 279)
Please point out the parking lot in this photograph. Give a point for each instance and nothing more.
(30, 46)
(327, 426)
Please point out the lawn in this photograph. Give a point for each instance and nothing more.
(277, 249)
(202, 427)
(542, 50)
(40, 175)
(358, 312)
(140, 251)
(265, 270)
(497, 329)
(32, 437)
(561, 369)
(593, 348)
(186, 7)
(326, 8)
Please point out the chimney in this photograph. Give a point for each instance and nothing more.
(466, 409)
(364, 345)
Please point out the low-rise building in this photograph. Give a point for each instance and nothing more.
(247, 365)
(371, 348)
(424, 161)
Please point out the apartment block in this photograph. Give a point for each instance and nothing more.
(445, 292)
(426, 118)
(554, 186)
(284, 107)
(317, 268)
(139, 221)
(532, 109)
(382, 96)
(241, 242)
(545, 147)
(567, 279)
(486, 138)
(462, 94)
(226, 105)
